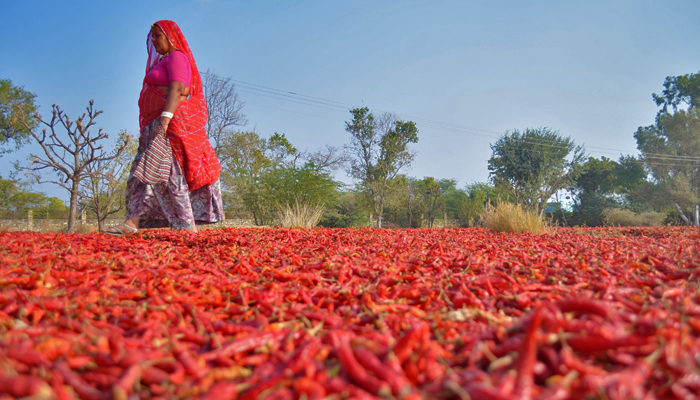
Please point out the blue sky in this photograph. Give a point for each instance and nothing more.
(465, 71)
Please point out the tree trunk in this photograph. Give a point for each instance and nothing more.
(73, 211)
(683, 217)
(100, 220)
(410, 222)
(255, 218)
(378, 209)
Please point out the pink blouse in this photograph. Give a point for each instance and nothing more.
(174, 67)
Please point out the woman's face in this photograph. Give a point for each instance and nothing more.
(160, 41)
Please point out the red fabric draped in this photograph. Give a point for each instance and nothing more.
(186, 131)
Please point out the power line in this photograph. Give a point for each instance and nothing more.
(329, 104)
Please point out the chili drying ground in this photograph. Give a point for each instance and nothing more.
(278, 313)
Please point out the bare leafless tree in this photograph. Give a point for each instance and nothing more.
(69, 155)
(103, 189)
(225, 107)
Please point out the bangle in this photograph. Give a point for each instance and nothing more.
(166, 114)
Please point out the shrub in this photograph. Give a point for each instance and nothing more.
(508, 217)
(300, 214)
(622, 217)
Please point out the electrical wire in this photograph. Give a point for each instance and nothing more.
(659, 159)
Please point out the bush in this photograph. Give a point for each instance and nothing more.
(348, 211)
(508, 217)
(300, 214)
(623, 217)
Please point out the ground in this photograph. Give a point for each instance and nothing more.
(610, 313)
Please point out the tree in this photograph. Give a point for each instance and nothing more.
(104, 187)
(15, 102)
(431, 195)
(224, 106)
(467, 206)
(16, 200)
(327, 159)
(260, 175)
(247, 158)
(243, 163)
(533, 165)
(455, 199)
(603, 183)
(679, 91)
(671, 146)
(299, 192)
(403, 205)
(349, 210)
(378, 150)
(68, 156)
(629, 174)
(594, 190)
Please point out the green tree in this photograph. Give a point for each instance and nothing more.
(16, 200)
(471, 206)
(378, 150)
(264, 175)
(431, 194)
(15, 104)
(679, 92)
(349, 210)
(629, 173)
(243, 163)
(594, 190)
(306, 184)
(403, 205)
(247, 158)
(604, 183)
(534, 165)
(671, 146)
(455, 203)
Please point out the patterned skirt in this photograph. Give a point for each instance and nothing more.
(170, 203)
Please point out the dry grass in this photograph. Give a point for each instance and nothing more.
(621, 217)
(508, 217)
(85, 228)
(300, 214)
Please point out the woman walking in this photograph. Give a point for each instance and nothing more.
(174, 179)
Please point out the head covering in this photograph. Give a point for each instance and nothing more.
(187, 129)
(177, 40)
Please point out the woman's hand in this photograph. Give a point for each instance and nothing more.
(164, 122)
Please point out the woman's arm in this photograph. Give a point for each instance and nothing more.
(176, 92)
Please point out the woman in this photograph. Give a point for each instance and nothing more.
(174, 179)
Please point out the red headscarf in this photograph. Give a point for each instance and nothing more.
(186, 131)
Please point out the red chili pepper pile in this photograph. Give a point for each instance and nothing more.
(406, 314)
